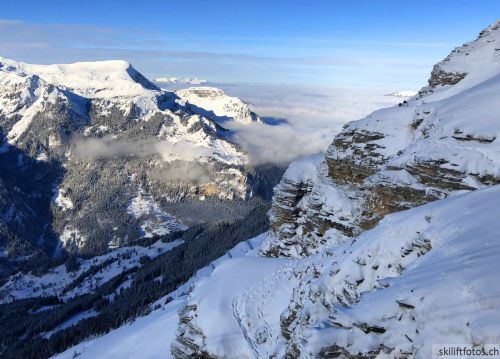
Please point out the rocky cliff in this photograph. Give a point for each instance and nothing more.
(438, 143)
(356, 279)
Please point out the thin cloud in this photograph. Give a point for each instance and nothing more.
(296, 60)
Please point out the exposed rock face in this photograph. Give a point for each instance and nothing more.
(185, 347)
(371, 283)
(108, 134)
(289, 202)
(427, 148)
(309, 213)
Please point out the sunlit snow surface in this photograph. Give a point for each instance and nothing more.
(151, 336)
(240, 297)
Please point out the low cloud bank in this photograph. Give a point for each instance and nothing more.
(108, 147)
(298, 121)
(306, 119)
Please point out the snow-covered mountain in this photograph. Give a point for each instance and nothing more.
(180, 80)
(437, 144)
(215, 104)
(368, 282)
(103, 138)
(383, 247)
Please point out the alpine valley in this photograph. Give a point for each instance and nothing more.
(133, 225)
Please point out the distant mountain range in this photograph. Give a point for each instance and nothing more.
(404, 94)
(179, 80)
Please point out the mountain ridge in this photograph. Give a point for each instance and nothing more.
(375, 235)
(104, 124)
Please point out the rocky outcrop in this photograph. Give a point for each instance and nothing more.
(465, 59)
(308, 212)
(394, 229)
(187, 343)
(437, 144)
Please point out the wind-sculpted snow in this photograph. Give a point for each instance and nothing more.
(397, 288)
(391, 292)
(368, 282)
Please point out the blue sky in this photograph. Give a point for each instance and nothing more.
(387, 44)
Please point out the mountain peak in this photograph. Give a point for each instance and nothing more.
(217, 105)
(471, 63)
(96, 79)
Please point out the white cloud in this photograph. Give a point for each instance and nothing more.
(109, 147)
(308, 118)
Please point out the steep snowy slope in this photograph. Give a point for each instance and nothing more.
(441, 142)
(151, 336)
(422, 276)
(372, 284)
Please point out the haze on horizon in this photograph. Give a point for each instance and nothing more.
(390, 44)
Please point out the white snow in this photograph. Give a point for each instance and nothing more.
(450, 286)
(439, 260)
(180, 80)
(150, 336)
(215, 295)
(53, 283)
(404, 94)
(153, 221)
(221, 106)
(44, 96)
(98, 79)
(71, 238)
(42, 156)
(304, 170)
(183, 143)
(71, 321)
(457, 124)
(61, 200)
